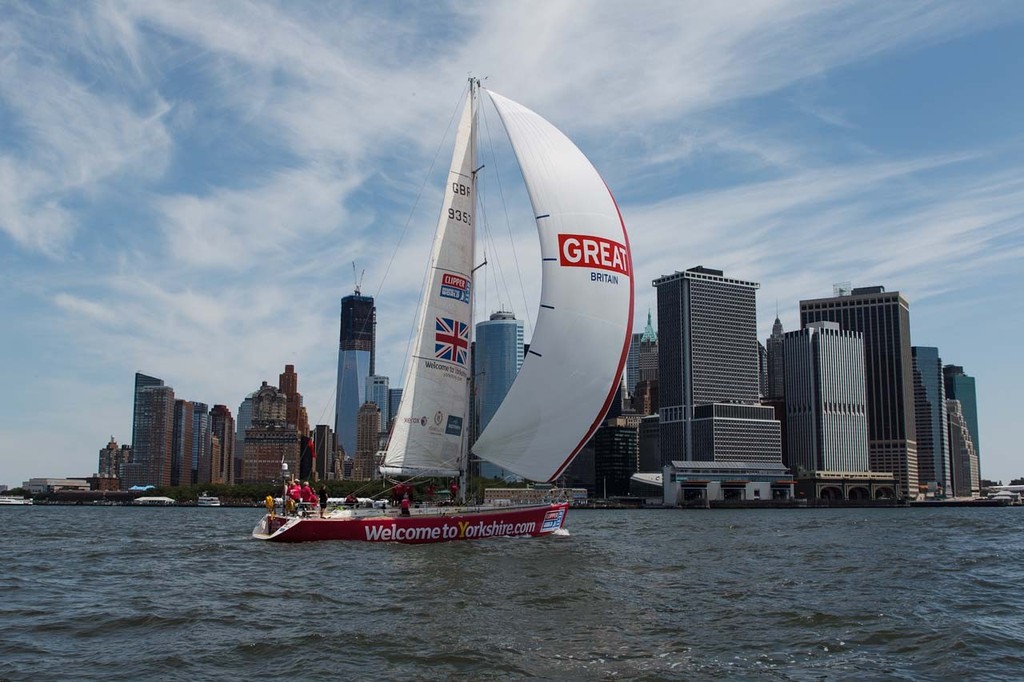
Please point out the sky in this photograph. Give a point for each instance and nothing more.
(188, 189)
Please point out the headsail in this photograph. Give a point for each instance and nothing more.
(579, 345)
(428, 433)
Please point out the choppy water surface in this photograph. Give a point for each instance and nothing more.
(184, 593)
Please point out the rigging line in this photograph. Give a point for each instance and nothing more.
(508, 224)
(498, 272)
(405, 229)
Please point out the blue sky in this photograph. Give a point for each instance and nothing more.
(184, 186)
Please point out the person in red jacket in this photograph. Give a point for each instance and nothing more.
(308, 497)
(405, 506)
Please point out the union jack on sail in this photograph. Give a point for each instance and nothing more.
(451, 340)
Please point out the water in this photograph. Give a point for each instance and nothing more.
(184, 593)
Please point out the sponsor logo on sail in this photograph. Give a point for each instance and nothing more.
(587, 251)
(455, 286)
(454, 427)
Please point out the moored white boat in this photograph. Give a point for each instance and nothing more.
(206, 500)
(15, 501)
(568, 379)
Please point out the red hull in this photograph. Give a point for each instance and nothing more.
(421, 528)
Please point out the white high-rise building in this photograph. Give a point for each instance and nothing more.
(826, 417)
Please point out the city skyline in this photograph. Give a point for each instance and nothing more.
(184, 188)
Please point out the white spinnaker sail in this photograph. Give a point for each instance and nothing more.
(580, 342)
(428, 434)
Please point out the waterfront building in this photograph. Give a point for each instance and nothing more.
(960, 386)
(847, 486)
(884, 320)
(152, 435)
(216, 458)
(775, 374)
(377, 391)
(201, 444)
(933, 454)
(497, 358)
(181, 443)
(112, 458)
(964, 467)
(326, 452)
(394, 400)
(615, 458)
(241, 426)
(270, 440)
(649, 445)
(356, 362)
(580, 472)
(700, 483)
(708, 387)
(222, 425)
(288, 382)
(826, 408)
(364, 464)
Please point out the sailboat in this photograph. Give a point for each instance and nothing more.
(567, 380)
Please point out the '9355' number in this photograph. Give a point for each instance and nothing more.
(456, 214)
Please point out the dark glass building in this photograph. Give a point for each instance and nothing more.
(933, 455)
(356, 362)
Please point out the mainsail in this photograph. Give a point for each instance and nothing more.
(579, 345)
(429, 430)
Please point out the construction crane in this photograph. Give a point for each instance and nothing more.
(358, 278)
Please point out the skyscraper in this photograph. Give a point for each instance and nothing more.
(355, 362)
(884, 320)
(288, 382)
(151, 434)
(394, 400)
(933, 456)
(775, 363)
(498, 358)
(222, 425)
(708, 371)
(181, 443)
(377, 392)
(200, 443)
(367, 442)
(241, 426)
(826, 421)
(141, 381)
(270, 440)
(964, 466)
(647, 358)
(960, 386)
(633, 362)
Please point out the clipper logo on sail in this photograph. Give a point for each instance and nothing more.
(453, 286)
(587, 251)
